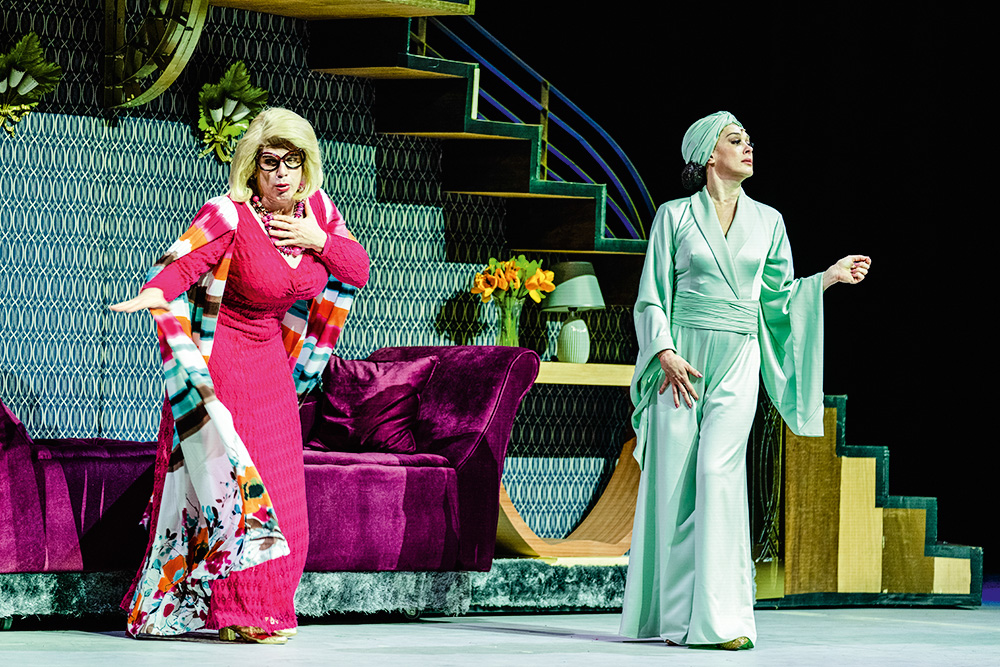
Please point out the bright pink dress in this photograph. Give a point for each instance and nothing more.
(250, 371)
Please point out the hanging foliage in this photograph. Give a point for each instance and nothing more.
(226, 109)
(25, 76)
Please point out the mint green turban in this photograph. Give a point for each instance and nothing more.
(700, 139)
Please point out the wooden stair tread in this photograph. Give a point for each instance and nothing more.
(454, 135)
(386, 72)
(606, 249)
(351, 9)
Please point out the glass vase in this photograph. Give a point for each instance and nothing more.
(508, 321)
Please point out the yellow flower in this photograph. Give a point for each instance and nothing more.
(484, 284)
(501, 278)
(512, 275)
(540, 282)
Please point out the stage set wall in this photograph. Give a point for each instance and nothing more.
(89, 199)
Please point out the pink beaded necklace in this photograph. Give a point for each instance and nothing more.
(267, 216)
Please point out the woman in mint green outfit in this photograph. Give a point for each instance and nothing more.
(718, 305)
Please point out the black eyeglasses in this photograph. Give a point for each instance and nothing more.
(267, 161)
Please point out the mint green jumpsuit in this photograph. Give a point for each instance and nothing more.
(730, 306)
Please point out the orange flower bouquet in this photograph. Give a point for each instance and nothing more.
(508, 284)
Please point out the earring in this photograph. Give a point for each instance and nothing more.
(302, 186)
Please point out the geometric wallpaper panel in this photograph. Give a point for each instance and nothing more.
(80, 225)
(88, 203)
(552, 495)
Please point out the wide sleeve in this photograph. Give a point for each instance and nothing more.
(342, 256)
(197, 251)
(791, 338)
(179, 275)
(652, 305)
(652, 324)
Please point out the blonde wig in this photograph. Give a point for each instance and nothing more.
(275, 127)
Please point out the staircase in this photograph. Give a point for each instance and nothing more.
(848, 542)
(421, 96)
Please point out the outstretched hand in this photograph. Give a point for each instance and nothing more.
(151, 297)
(677, 371)
(851, 270)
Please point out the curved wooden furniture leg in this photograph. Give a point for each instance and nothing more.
(605, 531)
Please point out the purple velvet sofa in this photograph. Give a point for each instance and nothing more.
(423, 498)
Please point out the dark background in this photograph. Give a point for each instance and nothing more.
(872, 136)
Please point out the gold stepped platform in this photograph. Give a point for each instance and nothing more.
(848, 542)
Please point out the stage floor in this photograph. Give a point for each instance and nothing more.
(879, 636)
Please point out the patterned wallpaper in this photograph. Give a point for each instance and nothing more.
(89, 199)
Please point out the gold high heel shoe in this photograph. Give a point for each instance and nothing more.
(287, 632)
(239, 633)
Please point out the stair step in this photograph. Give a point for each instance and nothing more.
(375, 48)
(859, 556)
(492, 167)
(906, 568)
(421, 106)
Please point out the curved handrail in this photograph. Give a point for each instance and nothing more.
(552, 89)
(565, 159)
(632, 223)
(538, 106)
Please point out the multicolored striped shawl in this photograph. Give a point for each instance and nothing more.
(215, 515)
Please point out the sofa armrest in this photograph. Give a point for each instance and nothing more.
(307, 414)
(467, 412)
(22, 523)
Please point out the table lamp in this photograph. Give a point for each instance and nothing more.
(576, 290)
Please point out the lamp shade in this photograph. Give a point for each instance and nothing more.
(576, 288)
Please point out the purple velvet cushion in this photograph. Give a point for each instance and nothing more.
(370, 406)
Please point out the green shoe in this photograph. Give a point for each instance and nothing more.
(738, 644)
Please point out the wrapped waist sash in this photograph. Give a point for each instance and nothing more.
(697, 311)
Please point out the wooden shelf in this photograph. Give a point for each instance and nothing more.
(606, 375)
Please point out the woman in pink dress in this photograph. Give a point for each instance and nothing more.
(281, 242)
